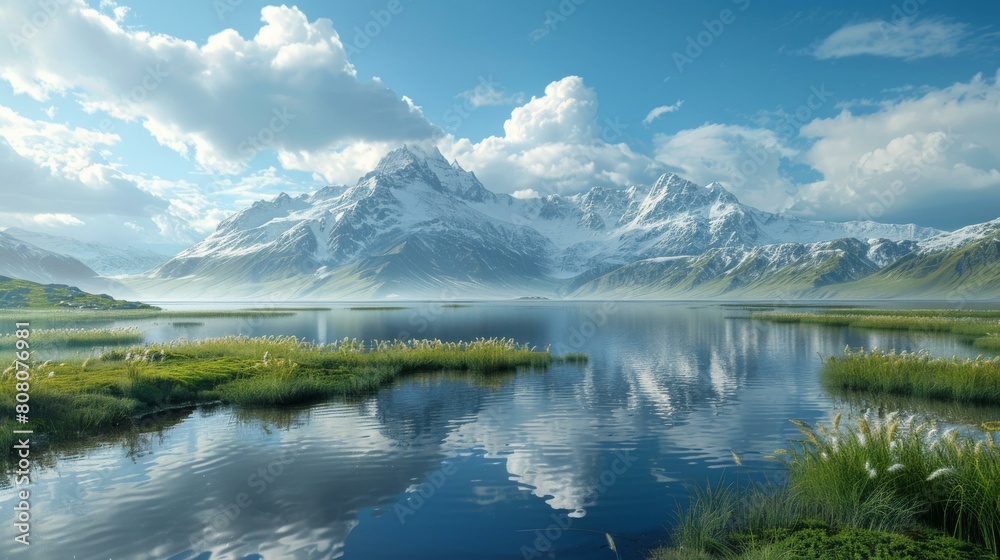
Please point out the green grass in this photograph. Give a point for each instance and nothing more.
(915, 375)
(455, 305)
(573, 358)
(377, 308)
(981, 327)
(881, 488)
(32, 295)
(283, 308)
(55, 317)
(990, 343)
(75, 338)
(932, 313)
(80, 397)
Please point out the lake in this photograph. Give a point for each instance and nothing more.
(533, 464)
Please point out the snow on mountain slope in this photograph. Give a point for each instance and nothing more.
(417, 222)
(409, 218)
(24, 261)
(672, 217)
(103, 259)
(783, 271)
(957, 238)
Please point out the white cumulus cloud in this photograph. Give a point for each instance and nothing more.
(290, 88)
(931, 159)
(555, 143)
(746, 160)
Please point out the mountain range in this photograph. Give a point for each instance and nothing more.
(104, 259)
(25, 261)
(417, 226)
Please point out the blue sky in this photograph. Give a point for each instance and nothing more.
(151, 121)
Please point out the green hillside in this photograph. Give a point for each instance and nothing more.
(971, 271)
(23, 294)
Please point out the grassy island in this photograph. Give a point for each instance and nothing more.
(979, 327)
(75, 398)
(973, 381)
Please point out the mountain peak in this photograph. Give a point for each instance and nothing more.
(409, 155)
(679, 191)
(667, 178)
(425, 165)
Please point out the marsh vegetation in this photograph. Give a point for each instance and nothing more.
(883, 487)
(78, 397)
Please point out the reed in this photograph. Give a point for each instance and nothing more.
(880, 487)
(975, 381)
(981, 327)
(947, 481)
(79, 337)
(54, 317)
(75, 398)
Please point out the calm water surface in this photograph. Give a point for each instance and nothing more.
(533, 464)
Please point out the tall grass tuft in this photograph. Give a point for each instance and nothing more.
(888, 473)
(916, 374)
(707, 521)
(875, 486)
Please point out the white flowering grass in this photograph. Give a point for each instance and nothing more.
(882, 470)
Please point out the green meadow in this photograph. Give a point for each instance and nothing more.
(77, 338)
(78, 397)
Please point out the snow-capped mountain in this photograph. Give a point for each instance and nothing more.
(959, 237)
(779, 271)
(25, 261)
(676, 217)
(411, 225)
(103, 259)
(957, 267)
(419, 226)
